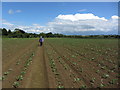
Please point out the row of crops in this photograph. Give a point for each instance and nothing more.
(15, 73)
(84, 63)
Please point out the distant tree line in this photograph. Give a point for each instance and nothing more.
(18, 33)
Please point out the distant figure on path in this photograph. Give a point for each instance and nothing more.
(41, 40)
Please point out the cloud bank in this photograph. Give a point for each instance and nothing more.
(79, 24)
(84, 24)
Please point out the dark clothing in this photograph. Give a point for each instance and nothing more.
(41, 40)
(41, 43)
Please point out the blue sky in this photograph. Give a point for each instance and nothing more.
(41, 16)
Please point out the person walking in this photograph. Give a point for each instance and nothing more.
(41, 40)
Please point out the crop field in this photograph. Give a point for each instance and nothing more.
(60, 63)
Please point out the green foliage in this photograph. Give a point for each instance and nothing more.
(4, 31)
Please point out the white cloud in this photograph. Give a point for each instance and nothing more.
(35, 24)
(4, 22)
(10, 11)
(18, 11)
(114, 17)
(73, 24)
(78, 17)
(80, 23)
(14, 11)
(82, 10)
(35, 28)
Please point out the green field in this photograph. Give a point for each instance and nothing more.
(60, 63)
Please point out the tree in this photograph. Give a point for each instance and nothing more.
(19, 31)
(9, 32)
(42, 34)
(0, 31)
(49, 34)
(4, 31)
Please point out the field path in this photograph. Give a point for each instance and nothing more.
(37, 78)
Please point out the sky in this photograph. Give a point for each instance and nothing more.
(70, 18)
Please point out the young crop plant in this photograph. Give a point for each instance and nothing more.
(24, 68)
(102, 85)
(20, 77)
(99, 64)
(2, 78)
(59, 82)
(60, 86)
(83, 87)
(65, 67)
(97, 71)
(92, 80)
(16, 84)
(17, 63)
(23, 73)
(76, 79)
(113, 81)
(52, 65)
(33, 54)
(103, 67)
(105, 76)
(81, 69)
(74, 63)
(92, 59)
(73, 56)
(6, 73)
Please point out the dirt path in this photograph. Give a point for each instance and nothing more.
(37, 74)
